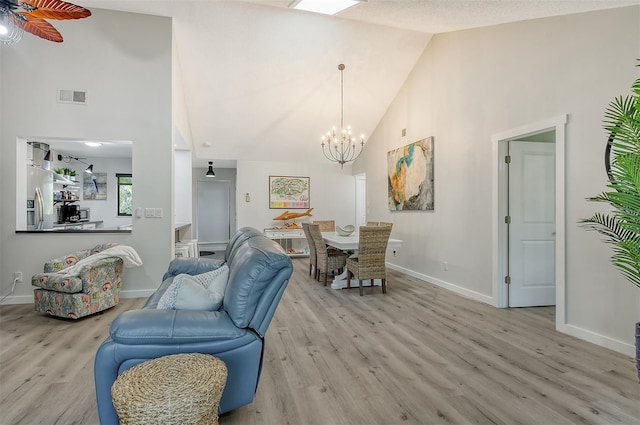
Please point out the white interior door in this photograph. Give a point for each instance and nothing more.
(532, 229)
(212, 209)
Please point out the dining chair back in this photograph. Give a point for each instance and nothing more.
(326, 225)
(328, 260)
(313, 256)
(370, 261)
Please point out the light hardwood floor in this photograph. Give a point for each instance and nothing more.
(418, 355)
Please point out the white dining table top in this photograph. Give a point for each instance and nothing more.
(352, 241)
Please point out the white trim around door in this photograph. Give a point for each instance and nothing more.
(498, 143)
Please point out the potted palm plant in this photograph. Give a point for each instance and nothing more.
(621, 226)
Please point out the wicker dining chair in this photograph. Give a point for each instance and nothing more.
(328, 260)
(326, 225)
(379, 223)
(313, 256)
(370, 262)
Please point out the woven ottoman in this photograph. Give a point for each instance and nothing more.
(175, 389)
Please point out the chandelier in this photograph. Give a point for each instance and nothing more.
(340, 145)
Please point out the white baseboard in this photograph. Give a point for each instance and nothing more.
(446, 285)
(28, 299)
(17, 299)
(601, 340)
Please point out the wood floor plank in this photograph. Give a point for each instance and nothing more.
(417, 355)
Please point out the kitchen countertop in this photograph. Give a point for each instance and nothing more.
(180, 226)
(64, 230)
(72, 228)
(77, 223)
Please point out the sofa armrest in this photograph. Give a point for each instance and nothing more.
(191, 266)
(149, 326)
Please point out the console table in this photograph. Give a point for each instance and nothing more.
(290, 241)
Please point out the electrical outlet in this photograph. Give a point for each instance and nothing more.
(446, 266)
(394, 252)
(17, 277)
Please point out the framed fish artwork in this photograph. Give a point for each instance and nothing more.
(288, 192)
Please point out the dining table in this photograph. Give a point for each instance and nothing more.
(350, 243)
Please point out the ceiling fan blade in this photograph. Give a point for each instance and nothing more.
(56, 9)
(40, 27)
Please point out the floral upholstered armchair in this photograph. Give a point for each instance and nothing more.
(73, 292)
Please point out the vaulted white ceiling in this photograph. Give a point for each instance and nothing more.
(261, 81)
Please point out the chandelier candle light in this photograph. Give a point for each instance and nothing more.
(341, 146)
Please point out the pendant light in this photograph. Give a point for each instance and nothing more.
(210, 172)
(46, 161)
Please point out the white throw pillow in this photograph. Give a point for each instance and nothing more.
(187, 293)
(215, 280)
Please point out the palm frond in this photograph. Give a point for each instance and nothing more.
(607, 225)
(621, 121)
(621, 228)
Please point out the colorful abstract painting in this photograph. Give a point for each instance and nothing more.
(288, 192)
(410, 170)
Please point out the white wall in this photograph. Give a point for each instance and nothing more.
(182, 187)
(332, 192)
(469, 85)
(3, 217)
(124, 62)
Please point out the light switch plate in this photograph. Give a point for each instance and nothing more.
(158, 213)
(149, 212)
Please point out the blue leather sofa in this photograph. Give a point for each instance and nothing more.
(259, 271)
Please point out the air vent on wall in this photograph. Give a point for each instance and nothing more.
(79, 97)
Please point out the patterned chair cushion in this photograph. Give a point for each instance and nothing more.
(58, 282)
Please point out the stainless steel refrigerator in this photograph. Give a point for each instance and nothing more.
(40, 211)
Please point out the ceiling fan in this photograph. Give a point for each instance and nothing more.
(17, 16)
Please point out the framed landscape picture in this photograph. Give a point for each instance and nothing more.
(288, 192)
(410, 176)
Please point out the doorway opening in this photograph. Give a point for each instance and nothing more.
(213, 217)
(525, 189)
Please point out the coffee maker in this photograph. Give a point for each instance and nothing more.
(68, 213)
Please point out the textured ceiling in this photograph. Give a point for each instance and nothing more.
(436, 16)
(261, 82)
